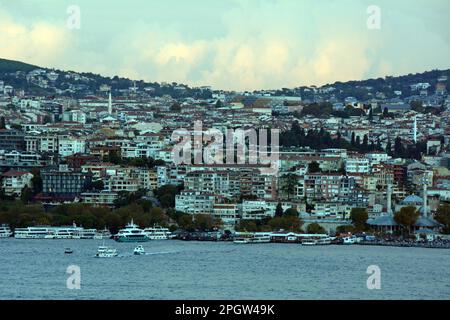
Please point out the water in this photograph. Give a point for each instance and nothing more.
(36, 269)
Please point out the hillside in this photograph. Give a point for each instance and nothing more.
(13, 66)
(80, 84)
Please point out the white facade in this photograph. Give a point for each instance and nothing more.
(14, 182)
(357, 165)
(69, 146)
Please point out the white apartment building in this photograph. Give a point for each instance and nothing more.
(229, 213)
(14, 181)
(121, 183)
(103, 198)
(194, 202)
(260, 209)
(75, 116)
(357, 165)
(68, 146)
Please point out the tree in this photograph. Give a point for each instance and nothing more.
(345, 229)
(353, 141)
(443, 216)
(406, 218)
(176, 107)
(291, 212)
(36, 181)
(385, 112)
(399, 150)
(290, 223)
(315, 228)
(370, 114)
(26, 195)
(279, 210)
(314, 167)
(365, 143)
(290, 182)
(359, 218)
(97, 185)
(389, 147)
(166, 195)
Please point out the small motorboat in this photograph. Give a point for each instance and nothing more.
(106, 252)
(139, 250)
(68, 251)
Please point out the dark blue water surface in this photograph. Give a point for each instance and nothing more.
(36, 269)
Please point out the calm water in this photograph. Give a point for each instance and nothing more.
(36, 269)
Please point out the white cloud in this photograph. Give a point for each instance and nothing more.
(254, 45)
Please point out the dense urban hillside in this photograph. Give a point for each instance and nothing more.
(15, 73)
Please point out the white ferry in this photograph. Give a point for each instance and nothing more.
(309, 242)
(257, 237)
(131, 233)
(261, 237)
(34, 232)
(5, 231)
(241, 240)
(158, 233)
(102, 234)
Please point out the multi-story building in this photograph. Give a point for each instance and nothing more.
(12, 140)
(63, 183)
(194, 202)
(13, 182)
(68, 146)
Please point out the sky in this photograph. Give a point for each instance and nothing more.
(230, 44)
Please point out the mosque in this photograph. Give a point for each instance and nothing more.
(424, 224)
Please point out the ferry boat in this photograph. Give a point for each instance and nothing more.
(88, 233)
(241, 240)
(102, 234)
(131, 233)
(68, 251)
(323, 241)
(64, 233)
(158, 233)
(309, 242)
(5, 231)
(260, 238)
(139, 250)
(106, 252)
(42, 232)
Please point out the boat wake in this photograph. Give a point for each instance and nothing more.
(147, 254)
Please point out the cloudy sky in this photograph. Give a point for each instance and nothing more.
(230, 44)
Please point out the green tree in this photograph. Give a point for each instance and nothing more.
(443, 216)
(279, 210)
(176, 107)
(26, 195)
(290, 182)
(406, 218)
(359, 218)
(314, 167)
(315, 228)
(291, 212)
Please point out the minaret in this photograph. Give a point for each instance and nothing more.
(389, 196)
(415, 129)
(425, 185)
(110, 104)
